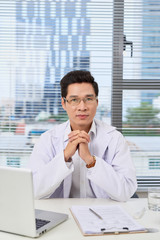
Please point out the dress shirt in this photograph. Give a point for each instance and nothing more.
(113, 175)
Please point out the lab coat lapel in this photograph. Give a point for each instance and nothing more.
(100, 143)
(60, 137)
(60, 144)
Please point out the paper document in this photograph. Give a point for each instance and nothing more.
(94, 220)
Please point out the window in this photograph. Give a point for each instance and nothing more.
(117, 40)
(136, 84)
(41, 41)
(154, 163)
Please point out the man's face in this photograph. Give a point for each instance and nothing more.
(81, 115)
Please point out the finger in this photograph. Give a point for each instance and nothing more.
(86, 139)
(76, 142)
(73, 133)
(83, 134)
(77, 133)
(81, 140)
(71, 139)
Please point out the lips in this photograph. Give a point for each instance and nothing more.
(82, 116)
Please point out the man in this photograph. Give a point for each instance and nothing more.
(83, 157)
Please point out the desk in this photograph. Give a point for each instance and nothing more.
(70, 231)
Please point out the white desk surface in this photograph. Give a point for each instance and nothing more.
(70, 231)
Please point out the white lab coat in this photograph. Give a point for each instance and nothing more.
(113, 175)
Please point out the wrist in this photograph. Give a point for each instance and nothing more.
(67, 158)
(91, 163)
(89, 159)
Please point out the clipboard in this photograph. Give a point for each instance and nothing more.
(114, 220)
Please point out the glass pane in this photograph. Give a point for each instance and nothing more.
(40, 42)
(141, 127)
(141, 26)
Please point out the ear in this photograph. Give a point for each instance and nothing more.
(97, 102)
(63, 103)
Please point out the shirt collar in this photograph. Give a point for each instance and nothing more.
(92, 130)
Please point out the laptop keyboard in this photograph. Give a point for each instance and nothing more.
(40, 223)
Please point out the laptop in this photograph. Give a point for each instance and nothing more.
(17, 212)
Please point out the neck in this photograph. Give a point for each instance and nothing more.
(81, 128)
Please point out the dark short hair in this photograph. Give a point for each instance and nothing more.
(77, 76)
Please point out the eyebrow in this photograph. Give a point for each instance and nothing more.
(88, 95)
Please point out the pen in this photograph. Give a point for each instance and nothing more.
(95, 213)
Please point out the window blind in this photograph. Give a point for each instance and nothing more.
(136, 84)
(40, 42)
(117, 40)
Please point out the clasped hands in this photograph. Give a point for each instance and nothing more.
(78, 140)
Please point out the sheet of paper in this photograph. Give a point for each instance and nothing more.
(115, 219)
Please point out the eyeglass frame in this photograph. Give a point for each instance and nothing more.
(81, 99)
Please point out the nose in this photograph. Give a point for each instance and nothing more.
(82, 105)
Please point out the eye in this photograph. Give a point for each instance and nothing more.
(89, 99)
(74, 100)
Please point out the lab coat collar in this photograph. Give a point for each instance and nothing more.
(66, 129)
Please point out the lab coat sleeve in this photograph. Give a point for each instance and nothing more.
(49, 169)
(115, 174)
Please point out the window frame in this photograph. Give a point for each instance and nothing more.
(119, 84)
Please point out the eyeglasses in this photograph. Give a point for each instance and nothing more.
(75, 101)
